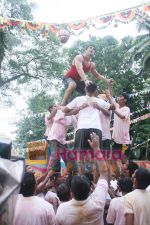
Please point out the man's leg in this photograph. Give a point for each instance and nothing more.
(71, 87)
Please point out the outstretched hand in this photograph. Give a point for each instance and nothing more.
(107, 93)
(110, 81)
(94, 142)
(87, 82)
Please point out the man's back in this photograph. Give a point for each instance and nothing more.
(33, 211)
(89, 116)
(89, 211)
(138, 202)
(116, 211)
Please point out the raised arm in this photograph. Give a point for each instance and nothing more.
(76, 110)
(53, 113)
(106, 112)
(98, 76)
(101, 163)
(110, 99)
(100, 192)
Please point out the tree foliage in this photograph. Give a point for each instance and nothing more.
(27, 58)
(39, 62)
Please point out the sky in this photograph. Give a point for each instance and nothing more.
(60, 11)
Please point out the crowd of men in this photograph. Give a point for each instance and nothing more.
(90, 193)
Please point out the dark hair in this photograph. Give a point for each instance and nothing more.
(125, 184)
(125, 95)
(89, 176)
(142, 176)
(69, 179)
(50, 107)
(28, 185)
(91, 88)
(91, 46)
(132, 166)
(63, 192)
(80, 187)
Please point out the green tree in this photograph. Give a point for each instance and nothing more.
(27, 58)
(11, 9)
(32, 126)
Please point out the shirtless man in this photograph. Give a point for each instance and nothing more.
(76, 77)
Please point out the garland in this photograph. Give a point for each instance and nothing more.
(143, 117)
(99, 22)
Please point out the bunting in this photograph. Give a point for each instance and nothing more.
(100, 22)
(143, 117)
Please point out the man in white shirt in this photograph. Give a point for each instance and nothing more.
(85, 208)
(116, 209)
(30, 209)
(88, 117)
(137, 202)
(88, 121)
(121, 124)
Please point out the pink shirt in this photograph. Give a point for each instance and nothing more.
(121, 126)
(89, 211)
(48, 124)
(105, 124)
(116, 212)
(59, 127)
(33, 211)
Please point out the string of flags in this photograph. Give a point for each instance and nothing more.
(99, 22)
(143, 117)
(140, 144)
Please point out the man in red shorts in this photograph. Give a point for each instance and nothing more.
(76, 77)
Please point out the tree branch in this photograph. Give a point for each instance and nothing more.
(3, 82)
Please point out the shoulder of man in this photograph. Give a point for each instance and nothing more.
(63, 206)
(93, 65)
(126, 108)
(79, 57)
(131, 195)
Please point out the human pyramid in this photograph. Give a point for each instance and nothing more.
(88, 114)
(89, 193)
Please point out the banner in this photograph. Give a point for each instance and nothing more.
(37, 151)
(145, 164)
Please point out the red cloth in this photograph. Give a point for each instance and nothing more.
(73, 73)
